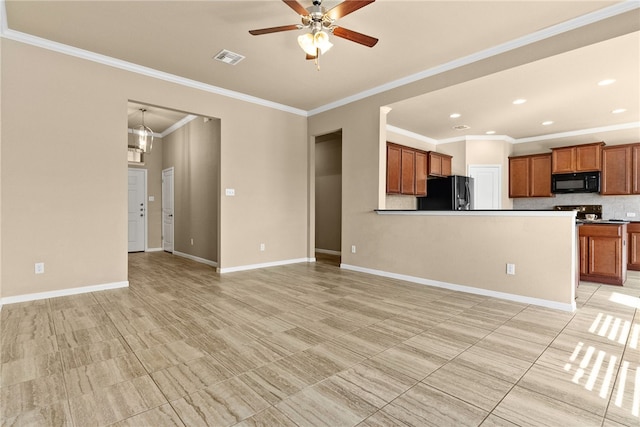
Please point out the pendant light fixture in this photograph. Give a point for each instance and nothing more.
(142, 136)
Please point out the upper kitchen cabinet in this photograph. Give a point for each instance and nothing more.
(530, 176)
(406, 170)
(394, 156)
(439, 164)
(621, 170)
(577, 158)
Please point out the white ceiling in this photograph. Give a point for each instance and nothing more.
(181, 37)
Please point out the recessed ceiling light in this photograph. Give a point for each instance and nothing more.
(547, 123)
(519, 101)
(619, 110)
(455, 115)
(606, 82)
(490, 132)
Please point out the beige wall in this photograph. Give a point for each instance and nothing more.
(153, 166)
(64, 198)
(473, 251)
(63, 207)
(458, 150)
(194, 152)
(377, 238)
(328, 193)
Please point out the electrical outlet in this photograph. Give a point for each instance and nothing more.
(262, 247)
(39, 268)
(631, 214)
(230, 192)
(353, 249)
(511, 269)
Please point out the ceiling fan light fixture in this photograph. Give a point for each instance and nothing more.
(321, 41)
(306, 43)
(312, 42)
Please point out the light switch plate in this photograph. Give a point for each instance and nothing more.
(230, 192)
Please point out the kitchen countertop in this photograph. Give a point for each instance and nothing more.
(502, 212)
(479, 212)
(602, 222)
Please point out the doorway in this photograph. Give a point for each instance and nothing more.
(137, 207)
(487, 185)
(167, 210)
(328, 198)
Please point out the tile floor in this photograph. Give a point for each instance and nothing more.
(313, 345)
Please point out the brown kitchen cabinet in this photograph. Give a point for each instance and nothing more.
(439, 164)
(635, 169)
(603, 253)
(406, 170)
(530, 176)
(620, 170)
(633, 242)
(394, 156)
(422, 163)
(577, 158)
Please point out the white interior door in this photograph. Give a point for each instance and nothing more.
(137, 209)
(487, 186)
(167, 210)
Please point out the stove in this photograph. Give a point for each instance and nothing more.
(582, 210)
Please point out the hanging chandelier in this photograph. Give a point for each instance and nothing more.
(142, 136)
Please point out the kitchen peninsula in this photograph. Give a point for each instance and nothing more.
(469, 251)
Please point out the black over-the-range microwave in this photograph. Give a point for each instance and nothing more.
(579, 182)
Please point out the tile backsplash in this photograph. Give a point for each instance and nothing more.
(612, 206)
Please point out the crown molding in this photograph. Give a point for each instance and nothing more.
(507, 138)
(9, 34)
(410, 134)
(543, 34)
(631, 125)
(177, 125)
(572, 24)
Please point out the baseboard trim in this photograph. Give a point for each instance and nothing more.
(63, 292)
(196, 258)
(154, 250)
(468, 289)
(263, 265)
(328, 252)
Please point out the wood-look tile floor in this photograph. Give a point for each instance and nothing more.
(314, 345)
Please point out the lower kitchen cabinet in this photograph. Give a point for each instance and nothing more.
(603, 253)
(633, 241)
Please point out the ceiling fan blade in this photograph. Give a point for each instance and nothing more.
(273, 29)
(300, 10)
(354, 36)
(346, 7)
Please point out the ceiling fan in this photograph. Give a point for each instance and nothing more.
(320, 22)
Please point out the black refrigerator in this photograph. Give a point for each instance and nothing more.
(453, 193)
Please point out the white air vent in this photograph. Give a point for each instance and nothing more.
(228, 57)
(461, 127)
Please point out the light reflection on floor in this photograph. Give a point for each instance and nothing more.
(589, 362)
